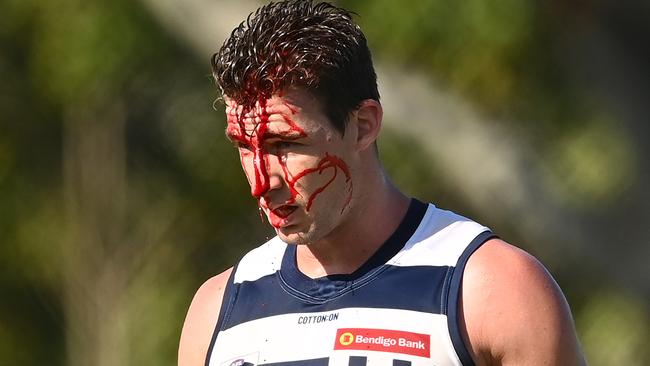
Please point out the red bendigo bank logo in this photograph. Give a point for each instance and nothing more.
(383, 340)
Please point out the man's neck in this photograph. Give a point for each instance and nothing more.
(373, 221)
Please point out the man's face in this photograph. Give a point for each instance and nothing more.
(297, 164)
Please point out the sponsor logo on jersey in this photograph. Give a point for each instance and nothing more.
(383, 340)
(346, 339)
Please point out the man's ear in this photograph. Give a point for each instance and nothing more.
(368, 122)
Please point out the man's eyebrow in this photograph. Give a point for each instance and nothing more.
(234, 135)
(291, 134)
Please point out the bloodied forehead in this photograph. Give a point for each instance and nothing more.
(289, 116)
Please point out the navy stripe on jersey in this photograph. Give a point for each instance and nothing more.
(454, 295)
(358, 361)
(297, 280)
(401, 363)
(301, 294)
(226, 304)
(417, 288)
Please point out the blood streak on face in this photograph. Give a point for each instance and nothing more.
(327, 162)
(254, 137)
(260, 159)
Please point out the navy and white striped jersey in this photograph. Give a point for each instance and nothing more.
(399, 308)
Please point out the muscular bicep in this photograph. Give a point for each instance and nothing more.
(201, 320)
(514, 312)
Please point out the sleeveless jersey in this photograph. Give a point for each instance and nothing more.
(397, 309)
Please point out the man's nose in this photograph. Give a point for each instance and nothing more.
(265, 176)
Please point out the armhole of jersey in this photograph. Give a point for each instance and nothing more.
(454, 295)
(226, 307)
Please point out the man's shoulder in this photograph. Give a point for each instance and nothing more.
(440, 222)
(201, 320)
(499, 266)
(512, 307)
(441, 238)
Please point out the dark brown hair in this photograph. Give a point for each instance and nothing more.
(315, 46)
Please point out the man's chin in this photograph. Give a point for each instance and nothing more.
(292, 237)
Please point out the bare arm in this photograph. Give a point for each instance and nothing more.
(514, 312)
(200, 321)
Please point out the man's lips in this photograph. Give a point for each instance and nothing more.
(283, 211)
(279, 216)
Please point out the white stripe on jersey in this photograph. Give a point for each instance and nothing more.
(304, 335)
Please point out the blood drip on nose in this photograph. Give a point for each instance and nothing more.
(260, 158)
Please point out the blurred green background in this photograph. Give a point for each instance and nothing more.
(119, 195)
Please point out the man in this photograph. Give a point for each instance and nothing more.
(359, 273)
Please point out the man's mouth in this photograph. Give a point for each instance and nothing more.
(279, 216)
(283, 211)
